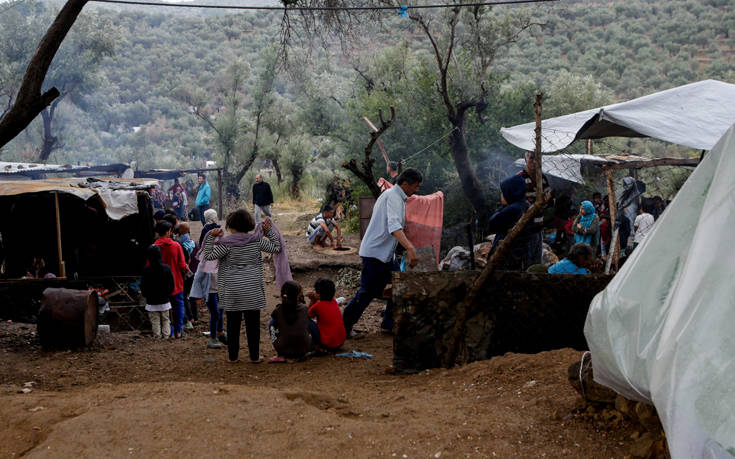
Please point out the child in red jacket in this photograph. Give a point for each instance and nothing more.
(173, 256)
(329, 331)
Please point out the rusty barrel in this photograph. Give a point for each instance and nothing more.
(67, 318)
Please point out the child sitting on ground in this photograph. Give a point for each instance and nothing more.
(578, 260)
(329, 332)
(156, 284)
(288, 328)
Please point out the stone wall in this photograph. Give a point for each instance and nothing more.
(519, 312)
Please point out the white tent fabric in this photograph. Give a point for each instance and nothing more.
(567, 167)
(694, 115)
(662, 330)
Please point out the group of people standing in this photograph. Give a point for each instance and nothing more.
(224, 269)
(583, 233)
(176, 199)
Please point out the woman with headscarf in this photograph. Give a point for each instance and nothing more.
(586, 226)
(210, 223)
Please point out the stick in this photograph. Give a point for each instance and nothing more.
(380, 144)
(62, 268)
(537, 156)
(468, 305)
(611, 250)
(613, 203)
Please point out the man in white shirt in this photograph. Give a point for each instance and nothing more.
(643, 224)
(377, 250)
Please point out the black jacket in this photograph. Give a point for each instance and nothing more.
(157, 280)
(262, 195)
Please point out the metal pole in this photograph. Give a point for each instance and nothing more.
(62, 268)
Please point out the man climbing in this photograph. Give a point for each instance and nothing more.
(262, 198)
(377, 250)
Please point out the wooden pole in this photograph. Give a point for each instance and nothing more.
(469, 304)
(219, 191)
(537, 153)
(62, 268)
(613, 203)
(611, 250)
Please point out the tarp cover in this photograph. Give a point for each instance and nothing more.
(662, 330)
(119, 197)
(694, 115)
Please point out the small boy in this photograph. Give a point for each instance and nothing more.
(578, 260)
(643, 224)
(328, 333)
(156, 284)
(184, 238)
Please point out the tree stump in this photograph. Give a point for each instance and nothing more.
(67, 318)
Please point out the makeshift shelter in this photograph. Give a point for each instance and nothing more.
(694, 115)
(79, 227)
(661, 332)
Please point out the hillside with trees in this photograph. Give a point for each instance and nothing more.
(168, 88)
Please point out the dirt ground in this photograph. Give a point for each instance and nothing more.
(132, 396)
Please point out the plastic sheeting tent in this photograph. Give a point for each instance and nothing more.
(662, 330)
(695, 115)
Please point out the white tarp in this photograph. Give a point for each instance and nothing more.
(567, 167)
(662, 330)
(694, 115)
(120, 197)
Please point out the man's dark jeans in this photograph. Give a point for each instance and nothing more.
(202, 208)
(374, 277)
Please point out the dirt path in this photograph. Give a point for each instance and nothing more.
(132, 396)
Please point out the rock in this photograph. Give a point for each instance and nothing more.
(643, 445)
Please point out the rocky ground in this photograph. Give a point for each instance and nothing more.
(130, 395)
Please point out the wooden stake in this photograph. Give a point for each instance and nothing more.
(537, 153)
(612, 202)
(62, 268)
(466, 308)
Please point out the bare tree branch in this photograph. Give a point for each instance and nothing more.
(365, 171)
(30, 101)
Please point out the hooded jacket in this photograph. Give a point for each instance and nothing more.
(157, 281)
(514, 192)
(173, 256)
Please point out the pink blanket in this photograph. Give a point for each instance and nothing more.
(424, 218)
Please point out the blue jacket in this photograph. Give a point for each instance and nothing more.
(566, 266)
(203, 195)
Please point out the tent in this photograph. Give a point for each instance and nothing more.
(661, 332)
(694, 115)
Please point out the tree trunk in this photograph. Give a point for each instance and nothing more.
(277, 168)
(29, 102)
(468, 178)
(50, 142)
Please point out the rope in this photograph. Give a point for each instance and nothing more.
(581, 366)
(319, 8)
(430, 145)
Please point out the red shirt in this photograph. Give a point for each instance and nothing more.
(173, 256)
(329, 321)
